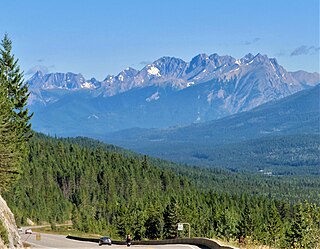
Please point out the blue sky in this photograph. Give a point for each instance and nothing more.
(100, 37)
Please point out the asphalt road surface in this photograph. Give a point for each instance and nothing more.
(50, 241)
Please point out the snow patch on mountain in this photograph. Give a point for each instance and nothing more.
(190, 83)
(87, 85)
(154, 71)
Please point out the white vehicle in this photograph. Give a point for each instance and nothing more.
(28, 231)
(20, 230)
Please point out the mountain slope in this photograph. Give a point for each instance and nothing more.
(167, 92)
(294, 115)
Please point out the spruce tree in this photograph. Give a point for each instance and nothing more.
(274, 225)
(15, 129)
(171, 219)
(246, 224)
(9, 155)
(300, 228)
(153, 223)
(12, 79)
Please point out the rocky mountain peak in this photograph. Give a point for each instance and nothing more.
(247, 58)
(169, 66)
(175, 72)
(261, 58)
(200, 59)
(130, 71)
(197, 63)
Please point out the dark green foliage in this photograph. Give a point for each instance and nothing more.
(89, 186)
(9, 149)
(112, 193)
(246, 224)
(15, 129)
(12, 80)
(171, 219)
(304, 231)
(274, 226)
(153, 223)
(4, 233)
(276, 155)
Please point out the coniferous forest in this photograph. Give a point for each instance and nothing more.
(106, 190)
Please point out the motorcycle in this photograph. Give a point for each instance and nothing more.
(128, 240)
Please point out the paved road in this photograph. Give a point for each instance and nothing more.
(50, 241)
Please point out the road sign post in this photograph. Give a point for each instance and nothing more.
(180, 227)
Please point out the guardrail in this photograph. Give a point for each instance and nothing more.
(193, 241)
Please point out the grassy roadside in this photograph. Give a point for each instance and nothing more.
(64, 230)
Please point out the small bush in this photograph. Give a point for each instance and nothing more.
(4, 233)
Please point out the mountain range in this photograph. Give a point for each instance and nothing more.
(285, 132)
(296, 114)
(167, 92)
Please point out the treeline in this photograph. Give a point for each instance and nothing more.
(110, 193)
(281, 155)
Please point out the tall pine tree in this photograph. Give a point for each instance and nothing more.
(12, 79)
(171, 219)
(300, 229)
(9, 155)
(153, 223)
(15, 129)
(274, 225)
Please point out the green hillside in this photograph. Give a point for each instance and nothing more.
(282, 137)
(113, 193)
(279, 155)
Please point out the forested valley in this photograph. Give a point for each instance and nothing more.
(107, 190)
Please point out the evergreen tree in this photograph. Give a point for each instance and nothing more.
(153, 223)
(12, 79)
(121, 222)
(171, 219)
(300, 228)
(274, 225)
(63, 178)
(315, 234)
(137, 224)
(15, 128)
(9, 156)
(246, 224)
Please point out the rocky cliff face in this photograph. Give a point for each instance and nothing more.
(7, 221)
(166, 93)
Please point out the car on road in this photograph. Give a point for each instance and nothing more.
(105, 241)
(20, 230)
(28, 231)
